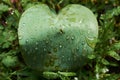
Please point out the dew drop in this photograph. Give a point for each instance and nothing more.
(60, 46)
(45, 49)
(6, 22)
(82, 43)
(72, 38)
(36, 43)
(80, 21)
(75, 78)
(12, 13)
(27, 41)
(20, 37)
(36, 48)
(22, 32)
(77, 48)
(23, 24)
(89, 31)
(68, 59)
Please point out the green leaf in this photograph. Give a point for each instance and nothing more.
(105, 62)
(50, 75)
(114, 55)
(7, 2)
(114, 64)
(1, 27)
(116, 46)
(91, 56)
(9, 61)
(111, 13)
(3, 7)
(75, 25)
(111, 77)
(67, 73)
(6, 45)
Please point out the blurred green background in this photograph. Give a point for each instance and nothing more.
(104, 63)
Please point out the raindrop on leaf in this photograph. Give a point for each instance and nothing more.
(36, 48)
(60, 46)
(72, 38)
(20, 37)
(27, 41)
(36, 43)
(44, 49)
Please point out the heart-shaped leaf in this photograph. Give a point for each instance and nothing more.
(52, 42)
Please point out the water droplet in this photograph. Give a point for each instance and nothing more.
(68, 59)
(83, 43)
(6, 22)
(23, 24)
(77, 48)
(89, 31)
(72, 38)
(36, 48)
(27, 41)
(75, 78)
(20, 37)
(23, 32)
(60, 46)
(12, 12)
(80, 21)
(36, 43)
(45, 49)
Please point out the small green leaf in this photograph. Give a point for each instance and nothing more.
(114, 64)
(67, 73)
(50, 75)
(9, 61)
(7, 1)
(1, 27)
(111, 13)
(91, 56)
(114, 55)
(105, 62)
(116, 46)
(3, 7)
(6, 45)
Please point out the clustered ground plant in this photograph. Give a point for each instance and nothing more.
(104, 63)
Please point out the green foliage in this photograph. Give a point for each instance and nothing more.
(9, 61)
(104, 63)
(46, 48)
